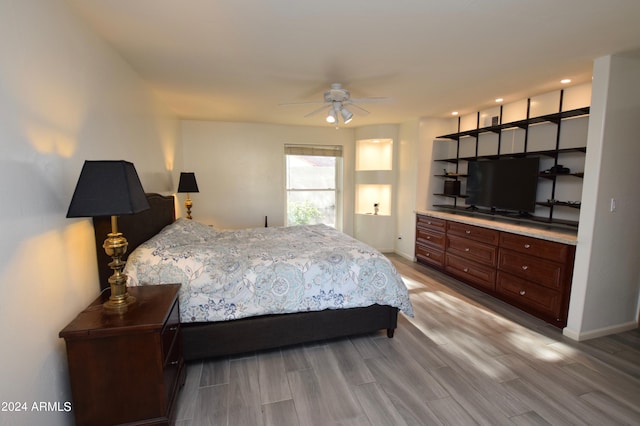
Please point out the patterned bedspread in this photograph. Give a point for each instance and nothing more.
(228, 275)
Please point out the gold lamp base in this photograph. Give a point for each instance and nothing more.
(116, 246)
(119, 307)
(188, 204)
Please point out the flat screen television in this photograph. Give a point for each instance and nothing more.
(505, 184)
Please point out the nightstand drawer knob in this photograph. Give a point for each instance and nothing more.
(466, 249)
(525, 267)
(527, 246)
(466, 269)
(522, 292)
(467, 232)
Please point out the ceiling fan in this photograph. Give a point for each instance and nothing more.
(338, 103)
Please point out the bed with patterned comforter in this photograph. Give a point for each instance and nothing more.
(228, 275)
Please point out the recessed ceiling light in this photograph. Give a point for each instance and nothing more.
(499, 100)
(454, 113)
(565, 81)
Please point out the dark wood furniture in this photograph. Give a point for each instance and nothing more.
(430, 240)
(530, 273)
(204, 340)
(127, 368)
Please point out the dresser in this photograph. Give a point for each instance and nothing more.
(530, 273)
(127, 368)
(430, 240)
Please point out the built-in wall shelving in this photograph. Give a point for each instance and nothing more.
(374, 185)
(523, 124)
(554, 154)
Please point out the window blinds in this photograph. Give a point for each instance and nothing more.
(315, 150)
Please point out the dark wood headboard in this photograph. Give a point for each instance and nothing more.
(136, 228)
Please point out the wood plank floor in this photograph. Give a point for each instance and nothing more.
(465, 359)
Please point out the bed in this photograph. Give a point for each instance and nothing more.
(221, 326)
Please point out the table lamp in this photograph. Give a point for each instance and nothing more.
(188, 184)
(110, 188)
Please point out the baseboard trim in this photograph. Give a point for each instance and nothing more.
(605, 331)
(409, 257)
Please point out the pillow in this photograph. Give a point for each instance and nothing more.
(187, 231)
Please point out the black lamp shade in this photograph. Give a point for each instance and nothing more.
(188, 182)
(107, 188)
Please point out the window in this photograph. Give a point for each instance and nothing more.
(313, 184)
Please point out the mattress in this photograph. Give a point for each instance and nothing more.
(232, 274)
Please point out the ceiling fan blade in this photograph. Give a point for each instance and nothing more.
(316, 111)
(369, 100)
(357, 109)
(300, 103)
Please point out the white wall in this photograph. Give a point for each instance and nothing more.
(606, 283)
(240, 169)
(408, 160)
(64, 97)
(377, 231)
(415, 178)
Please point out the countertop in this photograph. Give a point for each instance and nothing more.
(542, 231)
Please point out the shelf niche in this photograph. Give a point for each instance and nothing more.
(374, 154)
(369, 194)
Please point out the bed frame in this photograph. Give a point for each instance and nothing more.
(204, 340)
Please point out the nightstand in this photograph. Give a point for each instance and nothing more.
(127, 368)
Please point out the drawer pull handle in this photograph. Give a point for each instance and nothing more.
(428, 254)
(467, 232)
(522, 292)
(466, 269)
(428, 238)
(527, 246)
(466, 249)
(525, 267)
(176, 362)
(173, 328)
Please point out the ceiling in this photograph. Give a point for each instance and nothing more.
(238, 60)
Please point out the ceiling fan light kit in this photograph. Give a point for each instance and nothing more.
(347, 115)
(336, 100)
(332, 117)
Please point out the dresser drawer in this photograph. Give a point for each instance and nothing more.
(484, 235)
(540, 271)
(470, 249)
(471, 272)
(171, 371)
(430, 237)
(536, 247)
(528, 295)
(170, 331)
(433, 223)
(430, 255)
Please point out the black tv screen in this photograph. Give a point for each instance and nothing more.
(505, 184)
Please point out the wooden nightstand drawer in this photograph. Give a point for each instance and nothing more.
(484, 235)
(170, 330)
(471, 272)
(469, 249)
(534, 246)
(540, 271)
